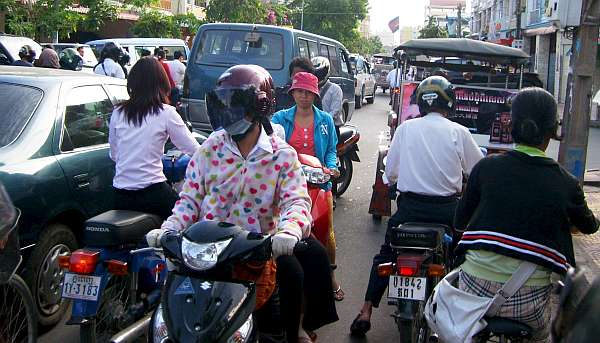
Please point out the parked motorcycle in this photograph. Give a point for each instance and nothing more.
(18, 317)
(347, 149)
(208, 296)
(421, 262)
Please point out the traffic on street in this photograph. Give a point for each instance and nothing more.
(300, 172)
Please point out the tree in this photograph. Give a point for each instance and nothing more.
(432, 29)
(99, 12)
(236, 11)
(155, 24)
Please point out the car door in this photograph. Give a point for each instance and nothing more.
(370, 79)
(83, 146)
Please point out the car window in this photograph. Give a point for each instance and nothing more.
(303, 46)
(312, 49)
(344, 62)
(18, 104)
(118, 93)
(170, 51)
(87, 114)
(4, 60)
(228, 47)
(324, 52)
(334, 60)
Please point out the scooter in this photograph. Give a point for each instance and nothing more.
(347, 151)
(208, 296)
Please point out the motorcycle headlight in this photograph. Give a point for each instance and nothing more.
(160, 333)
(243, 333)
(315, 175)
(202, 256)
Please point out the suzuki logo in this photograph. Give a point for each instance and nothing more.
(205, 285)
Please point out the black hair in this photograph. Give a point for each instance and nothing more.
(156, 50)
(302, 63)
(145, 52)
(160, 54)
(533, 116)
(177, 54)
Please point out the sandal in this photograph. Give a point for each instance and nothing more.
(312, 335)
(359, 327)
(339, 294)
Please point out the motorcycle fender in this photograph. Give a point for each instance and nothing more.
(407, 310)
(321, 214)
(381, 203)
(354, 155)
(152, 272)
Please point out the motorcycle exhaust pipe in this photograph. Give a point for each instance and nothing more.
(134, 331)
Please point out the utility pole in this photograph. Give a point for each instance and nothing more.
(302, 17)
(518, 13)
(576, 116)
(459, 27)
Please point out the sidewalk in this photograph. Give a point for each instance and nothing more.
(587, 247)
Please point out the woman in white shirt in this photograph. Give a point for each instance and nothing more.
(108, 65)
(139, 129)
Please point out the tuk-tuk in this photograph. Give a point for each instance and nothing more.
(486, 76)
(382, 65)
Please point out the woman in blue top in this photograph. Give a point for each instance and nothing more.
(311, 131)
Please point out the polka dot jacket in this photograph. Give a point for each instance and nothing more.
(265, 192)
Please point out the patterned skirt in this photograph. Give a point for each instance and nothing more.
(530, 305)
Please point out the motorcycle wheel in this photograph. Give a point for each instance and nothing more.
(114, 302)
(18, 316)
(345, 168)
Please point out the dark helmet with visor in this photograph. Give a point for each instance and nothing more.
(243, 96)
(435, 93)
(322, 69)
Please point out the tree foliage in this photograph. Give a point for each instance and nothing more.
(236, 11)
(153, 23)
(366, 46)
(432, 29)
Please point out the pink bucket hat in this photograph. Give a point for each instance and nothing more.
(306, 81)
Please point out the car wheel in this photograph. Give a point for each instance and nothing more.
(359, 100)
(44, 276)
(372, 98)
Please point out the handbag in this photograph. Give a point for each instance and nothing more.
(456, 316)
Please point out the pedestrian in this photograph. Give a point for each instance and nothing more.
(48, 58)
(138, 130)
(160, 56)
(26, 55)
(81, 51)
(177, 69)
(107, 65)
(393, 81)
(521, 206)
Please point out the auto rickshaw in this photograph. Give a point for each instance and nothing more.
(486, 76)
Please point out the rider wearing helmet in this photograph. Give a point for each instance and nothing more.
(245, 175)
(331, 94)
(26, 55)
(427, 159)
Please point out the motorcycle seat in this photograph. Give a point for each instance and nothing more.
(419, 235)
(118, 227)
(509, 328)
(346, 132)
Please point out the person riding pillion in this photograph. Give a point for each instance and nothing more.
(427, 159)
(331, 94)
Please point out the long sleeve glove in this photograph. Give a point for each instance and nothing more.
(283, 244)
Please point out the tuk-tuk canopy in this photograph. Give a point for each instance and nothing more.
(464, 48)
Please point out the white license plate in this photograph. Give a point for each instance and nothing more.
(404, 287)
(82, 287)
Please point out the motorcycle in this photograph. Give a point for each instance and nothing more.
(347, 149)
(208, 296)
(422, 259)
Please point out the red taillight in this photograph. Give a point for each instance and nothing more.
(117, 267)
(409, 265)
(83, 261)
(63, 261)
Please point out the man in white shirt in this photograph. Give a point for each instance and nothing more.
(393, 81)
(427, 159)
(177, 68)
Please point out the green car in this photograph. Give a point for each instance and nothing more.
(55, 165)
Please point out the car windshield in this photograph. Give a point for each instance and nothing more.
(18, 104)
(227, 48)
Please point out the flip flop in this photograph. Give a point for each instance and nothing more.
(338, 294)
(359, 327)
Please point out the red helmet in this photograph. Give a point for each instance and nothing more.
(243, 95)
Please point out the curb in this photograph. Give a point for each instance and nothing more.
(592, 178)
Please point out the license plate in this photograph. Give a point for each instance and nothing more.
(404, 287)
(82, 287)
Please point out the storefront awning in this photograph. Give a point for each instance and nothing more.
(540, 31)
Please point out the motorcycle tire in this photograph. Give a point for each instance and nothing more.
(17, 325)
(346, 170)
(114, 302)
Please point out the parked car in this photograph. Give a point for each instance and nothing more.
(10, 46)
(382, 65)
(134, 47)
(220, 46)
(365, 86)
(55, 165)
(89, 58)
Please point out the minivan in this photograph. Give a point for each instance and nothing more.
(219, 46)
(134, 46)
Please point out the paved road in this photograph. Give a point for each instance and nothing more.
(358, 236)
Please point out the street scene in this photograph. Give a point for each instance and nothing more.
(299, 171)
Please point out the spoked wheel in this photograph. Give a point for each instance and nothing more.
(345, 168)
(114, 301)
(18, 316)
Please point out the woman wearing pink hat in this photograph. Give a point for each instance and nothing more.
(312, 132)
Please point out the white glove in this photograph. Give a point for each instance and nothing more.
(153, 237)
(283, 244)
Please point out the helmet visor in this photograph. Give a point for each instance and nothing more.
(227, 109)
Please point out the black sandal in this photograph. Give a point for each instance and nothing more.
(359, 327)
